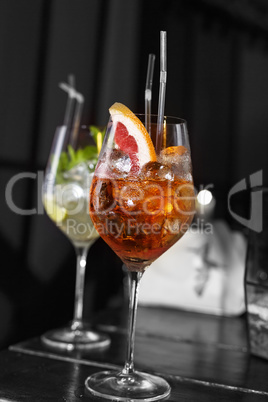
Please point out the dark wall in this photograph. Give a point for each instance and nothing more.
(217, 81)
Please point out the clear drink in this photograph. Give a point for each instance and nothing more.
(66, 187)
(67, 206)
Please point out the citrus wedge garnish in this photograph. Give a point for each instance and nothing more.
(54, 211)
(132, 137)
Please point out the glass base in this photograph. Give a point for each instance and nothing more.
(137, 386)
(73, 337)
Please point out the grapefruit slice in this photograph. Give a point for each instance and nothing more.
(132, 137)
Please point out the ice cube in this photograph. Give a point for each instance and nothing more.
(119, 163)
(77, 173)
(70, 196)
(185, 199)
(115, 225)
(102, 196)
(156, 171)
(173, 154)
(180, 160)
(130, 197)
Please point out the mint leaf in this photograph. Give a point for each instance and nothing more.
(70, 159)
(89, 152)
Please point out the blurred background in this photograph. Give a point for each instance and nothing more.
(217, 81)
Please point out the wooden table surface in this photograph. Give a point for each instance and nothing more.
(203, 357)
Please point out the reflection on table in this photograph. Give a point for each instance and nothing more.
(204, 358)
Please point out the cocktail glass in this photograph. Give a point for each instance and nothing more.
(140, 211)
(66, 186)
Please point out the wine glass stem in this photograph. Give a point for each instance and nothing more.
(81, 261)
(135, 278)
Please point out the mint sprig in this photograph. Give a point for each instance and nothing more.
(72, 157)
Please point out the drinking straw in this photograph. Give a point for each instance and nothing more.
(162, 89)
(71, 80)
(148, 92)
(70, 117)
(77, 114)
(70, 102)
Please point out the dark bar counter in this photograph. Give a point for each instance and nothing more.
(203, 357)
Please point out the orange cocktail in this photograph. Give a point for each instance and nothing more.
(141, 203)
(141, 218)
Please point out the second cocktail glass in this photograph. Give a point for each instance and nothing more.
(66, 186)
(141, 203)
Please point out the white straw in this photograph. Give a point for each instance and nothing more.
(148, 92)
(80, 100)
(77, 115)
(70, 102)
(73, 96)
(71, 80)
(162, 89)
